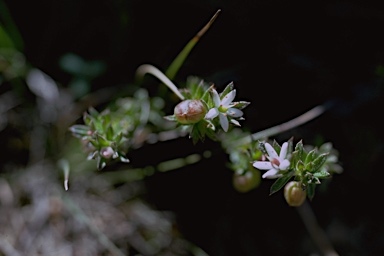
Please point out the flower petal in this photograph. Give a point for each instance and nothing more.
(215, 97)
(235, 122)
(224, 122)
(271, 174)
(271, 151)
(283, 151)
(212, 113)
(284, 165)
(262, 165)
(228, 98)
(234, 112)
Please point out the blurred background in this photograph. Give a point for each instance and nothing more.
(285, 57)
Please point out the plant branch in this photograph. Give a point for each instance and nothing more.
(306, 117)
(316, 232)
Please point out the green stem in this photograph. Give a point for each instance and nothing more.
(317, 234)
(180, 58)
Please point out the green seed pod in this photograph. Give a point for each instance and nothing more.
(247, 181)
(190, 111)
(294, 193)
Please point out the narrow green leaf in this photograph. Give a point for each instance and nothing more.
(280, 182)
(311, 155)
(319, 161)
(311, 191)
(226, 90)
(321, 174)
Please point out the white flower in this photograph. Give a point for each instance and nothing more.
(224, 109)
(276, 162)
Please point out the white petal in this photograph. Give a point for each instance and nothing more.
(284, 165)
(228, 98)
(283, 151)
(212, 113)
(235, 122)
(216, 98)
(271, 151)
(262, 165)
(224, 122)
(234, 112)
(271, 174)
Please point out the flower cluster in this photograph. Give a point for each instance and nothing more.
(305, 167)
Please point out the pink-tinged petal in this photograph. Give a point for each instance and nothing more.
(234, 112)
(212, 113)
(283, 151)
(284, 165)
(271, 174)
(224, 122)
(262, 165)
(216, 98)
(271, 151)
(228, 98)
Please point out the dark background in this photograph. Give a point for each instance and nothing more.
(285, 57)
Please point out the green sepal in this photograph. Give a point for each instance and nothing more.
(302, 154)
(280, 182)
(300, 166)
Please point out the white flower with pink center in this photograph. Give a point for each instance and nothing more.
(276, 164)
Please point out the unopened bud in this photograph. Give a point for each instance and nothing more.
(107, 152)
(294, 193)
(190, 111)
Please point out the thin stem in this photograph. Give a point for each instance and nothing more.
(306, 117)
(150, 69)
(179, 60)
(317, 234)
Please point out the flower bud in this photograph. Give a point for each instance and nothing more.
(247, 181)
(107, 152)
(294, 194)
(190, 111)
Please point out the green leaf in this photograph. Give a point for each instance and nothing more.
(280, 182)
(319, 161)
(79, 130)
(301, 151)
(226, 90)
(294, 159)
(311, 191)
(321, 174)
(276, 146)
(311, 155)
(102, 141)
(240, 104)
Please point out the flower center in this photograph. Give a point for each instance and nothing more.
(275, 162)
(222, 109)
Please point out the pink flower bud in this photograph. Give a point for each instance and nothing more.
(190, 111)
(294, 193)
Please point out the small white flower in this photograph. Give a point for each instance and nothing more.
(276, 162)
(224, 109)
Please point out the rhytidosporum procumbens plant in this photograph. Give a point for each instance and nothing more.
(206, 110)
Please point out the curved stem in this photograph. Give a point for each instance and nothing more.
(317, 234)
(150, 69)
(307, 116)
